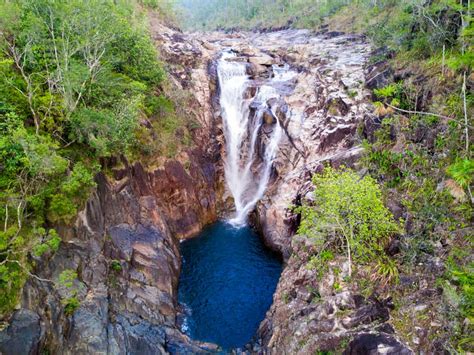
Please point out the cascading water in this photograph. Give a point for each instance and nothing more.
(241, 132)
(233, 82)
(228, 276)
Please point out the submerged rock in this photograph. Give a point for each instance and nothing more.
(268, 117)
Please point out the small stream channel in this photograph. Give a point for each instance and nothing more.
(227, 282)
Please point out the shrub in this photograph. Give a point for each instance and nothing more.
(46, 241)
(116, 265)
(348, 211)
(69, 286)
(70, 305)
(462, 171)
(67, 278)
(106, 131)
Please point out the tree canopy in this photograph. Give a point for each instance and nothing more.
(348, 210)
(75, 79)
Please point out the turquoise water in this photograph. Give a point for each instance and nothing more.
(226, 286)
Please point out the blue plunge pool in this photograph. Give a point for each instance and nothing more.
(226, 285)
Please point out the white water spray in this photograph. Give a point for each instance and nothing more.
(241, 133)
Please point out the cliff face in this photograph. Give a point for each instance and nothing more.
(127, 262)
(124, 244)
(320, 109)
(311, 314)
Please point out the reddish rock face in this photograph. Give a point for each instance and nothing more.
(124, 248)
(187, 197)
(124, 245)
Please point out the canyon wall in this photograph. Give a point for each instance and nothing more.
(124, 244)
(320, 109)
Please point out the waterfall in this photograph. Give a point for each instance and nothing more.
(241, 133)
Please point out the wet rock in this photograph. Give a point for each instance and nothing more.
(379, 75)
(262, 59)
(268, 117)
(23, 334)
(257, 71)
(373, 344)
(250, 92)
(331, 137)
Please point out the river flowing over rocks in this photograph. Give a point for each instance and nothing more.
(138, 215)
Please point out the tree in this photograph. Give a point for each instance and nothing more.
(29, 164)
(75, 78)
(348, 210)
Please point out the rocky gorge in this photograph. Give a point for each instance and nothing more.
(124, 245)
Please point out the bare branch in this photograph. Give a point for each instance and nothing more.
(26, 270)
(6, 218)
(19, 59)
(424, 113)
(418, 112)
(466, 126)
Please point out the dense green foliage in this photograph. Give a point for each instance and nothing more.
(75, 79)
(348, 215)
(413, 25)
(422, 153)
(246, 14)
(416, 27)
(395, 23)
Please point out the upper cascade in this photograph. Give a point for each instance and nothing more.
(241, 127)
